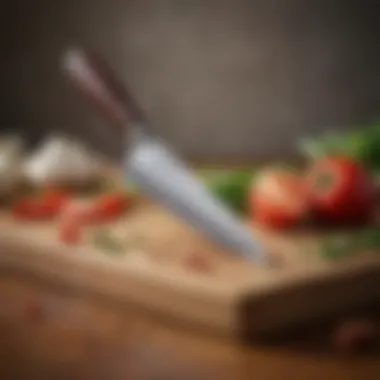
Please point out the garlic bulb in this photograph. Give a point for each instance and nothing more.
(62, 161)
(11, 150)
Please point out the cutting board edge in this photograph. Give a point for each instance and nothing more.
(212, 310)
(281, 308)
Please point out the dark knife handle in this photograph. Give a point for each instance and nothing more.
(96, 81)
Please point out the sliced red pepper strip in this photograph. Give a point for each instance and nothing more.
(47, 205)
(110, 206)
(70, 232)
(33, 209)
(55, 198)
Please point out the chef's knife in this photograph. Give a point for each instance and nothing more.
(152, 166)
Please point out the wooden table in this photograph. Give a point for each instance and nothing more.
(76, 336)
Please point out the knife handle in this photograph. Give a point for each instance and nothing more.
(96, 81)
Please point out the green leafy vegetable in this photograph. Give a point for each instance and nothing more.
(230, 186)
(361, 144)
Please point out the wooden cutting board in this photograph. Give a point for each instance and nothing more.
(227, 294)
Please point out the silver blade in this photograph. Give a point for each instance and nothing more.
(164, 178)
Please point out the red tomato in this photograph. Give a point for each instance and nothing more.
(278, 199)
(340, 190)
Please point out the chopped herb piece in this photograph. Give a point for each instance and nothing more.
(339, 247)
(105, 241)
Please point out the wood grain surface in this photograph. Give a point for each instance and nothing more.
(76, 336)
(234, 298)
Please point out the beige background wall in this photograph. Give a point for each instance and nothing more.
(217, 78)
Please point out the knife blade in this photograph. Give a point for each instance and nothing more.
(154, 168)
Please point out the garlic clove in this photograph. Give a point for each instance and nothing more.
(61, 160)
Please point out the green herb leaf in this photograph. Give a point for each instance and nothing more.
(105, 241)
(343, 246)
